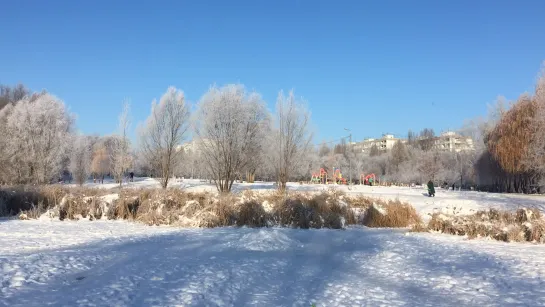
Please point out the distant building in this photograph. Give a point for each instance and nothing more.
(451, 141)
(385, 143)
(188, 146)
(447, 141)
(191, 146)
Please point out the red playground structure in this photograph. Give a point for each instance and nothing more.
(338, 177)
(367, 180)
(320, 177)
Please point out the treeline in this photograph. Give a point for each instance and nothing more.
(508, 154)
(513, 159)
(234, 133)
(414, 161)
(235, 137)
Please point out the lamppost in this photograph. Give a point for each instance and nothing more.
(349, 156)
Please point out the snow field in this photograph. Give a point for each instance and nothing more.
(105, 263)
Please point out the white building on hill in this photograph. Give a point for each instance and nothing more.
(447, 141)
(451, 141)
(385, 143)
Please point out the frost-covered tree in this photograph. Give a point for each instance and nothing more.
(231, 124)
(398, 155)
(12, 94)
(256, 154)
(100, 164)
(36, 133)
(291, 137)
(374, 151)
(120, 158)
(535, 159)
(164, 131)
(429, 165)
(412, 139)
(80, 158)
(8, 148)
(426, 139)
(324, 150)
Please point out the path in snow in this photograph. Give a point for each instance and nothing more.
(116, 263)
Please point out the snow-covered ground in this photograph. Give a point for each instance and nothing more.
(105, 263)
(447, 201)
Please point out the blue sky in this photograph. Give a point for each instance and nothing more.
(371, 66)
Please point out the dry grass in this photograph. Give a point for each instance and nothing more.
(33, 201)
(363, 202)
(252, 214)
(329, 209)
(391, 214)
(305, 210)
(535, 231)
(523, 225)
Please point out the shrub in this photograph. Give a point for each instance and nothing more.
(535, 232)
(519, 226)
(252, 214)
(293, 213)
(391, 214)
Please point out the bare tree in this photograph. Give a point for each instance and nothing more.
(12, 94)
(429, 165)
(231, 126)
(427, 139)
(398, 155)
(80, 159)
(292, 137)
(119, 154)
(411, 138)
(374, 151)
(100, 165)
(164, 131)
(324, 150)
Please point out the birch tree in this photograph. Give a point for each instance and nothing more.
(119, 154)
(164, 130)
(292, 137)
(230, 126)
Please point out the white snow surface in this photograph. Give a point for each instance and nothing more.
(107, 263)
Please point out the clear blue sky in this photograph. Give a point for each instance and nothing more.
(378, 67)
